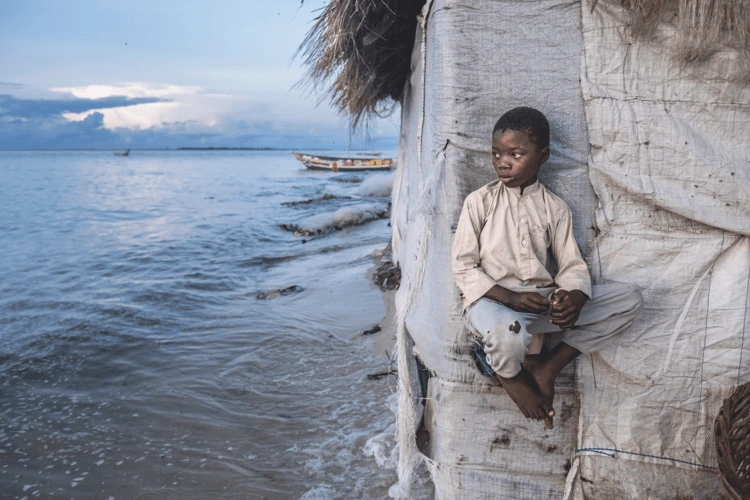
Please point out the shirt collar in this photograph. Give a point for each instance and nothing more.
(527, 190)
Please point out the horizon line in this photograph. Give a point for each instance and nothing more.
(185, 149)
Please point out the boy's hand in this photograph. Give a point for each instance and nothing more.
(519, 301)
(530, 302)
(566, 307)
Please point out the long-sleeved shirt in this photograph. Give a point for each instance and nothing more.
(505, 238)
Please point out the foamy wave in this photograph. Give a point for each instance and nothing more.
(320, 492)
(341, 218)
(379, 185)
(382, 447)
(374, 186)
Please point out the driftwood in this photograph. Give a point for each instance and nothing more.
(379, 375)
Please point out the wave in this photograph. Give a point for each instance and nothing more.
(343, 217)
(325, 197)
(379, 185)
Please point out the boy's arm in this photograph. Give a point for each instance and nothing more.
(573, 278)
(519, 301)
(572, 274)
(467, 269)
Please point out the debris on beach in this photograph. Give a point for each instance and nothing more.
(390, 369)
(387, 275)
(342, 218)
(300, 231)
(278, 293)
(325, 197)
(379, 375)
(370, 331)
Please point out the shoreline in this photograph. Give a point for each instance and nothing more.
(387, 277)
(385, 339)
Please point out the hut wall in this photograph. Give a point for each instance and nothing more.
(474, 61)
(667, 152)
(670, 162)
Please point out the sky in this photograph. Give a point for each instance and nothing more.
(164, 74)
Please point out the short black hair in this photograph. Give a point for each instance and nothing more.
(527, 120)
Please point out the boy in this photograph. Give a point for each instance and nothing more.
(506, 233)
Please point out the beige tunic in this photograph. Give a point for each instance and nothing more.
(504, 237)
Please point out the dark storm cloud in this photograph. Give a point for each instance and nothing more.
(46, 108)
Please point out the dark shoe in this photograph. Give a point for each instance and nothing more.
(480, 358)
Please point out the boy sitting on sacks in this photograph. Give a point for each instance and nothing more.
(506, 233)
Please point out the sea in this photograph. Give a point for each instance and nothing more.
(187, 325)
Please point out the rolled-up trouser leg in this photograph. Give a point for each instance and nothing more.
(504, 334)
(611, 310)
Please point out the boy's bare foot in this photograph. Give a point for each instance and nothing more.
(544, 377)
(539, 369)
(523, 390)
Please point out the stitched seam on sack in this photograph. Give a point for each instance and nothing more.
(705, 328)
(667, 101)
(607, 452)
(744, 325)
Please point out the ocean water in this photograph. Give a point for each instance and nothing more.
(136, 361)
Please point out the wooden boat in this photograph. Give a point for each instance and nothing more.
(123, 153)
(345, 164)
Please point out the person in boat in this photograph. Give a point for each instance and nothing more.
(500, 257)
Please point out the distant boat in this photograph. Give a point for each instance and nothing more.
(345, 164)
(123, 153)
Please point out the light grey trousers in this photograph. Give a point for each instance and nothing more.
(611, 310)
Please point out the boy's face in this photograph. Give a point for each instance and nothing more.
(516, 157)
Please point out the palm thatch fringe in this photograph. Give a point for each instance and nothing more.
(359, 53)
(703, 27)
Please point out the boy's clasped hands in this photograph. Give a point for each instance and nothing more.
(564, 306)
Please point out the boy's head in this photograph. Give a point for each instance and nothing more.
(520, 144)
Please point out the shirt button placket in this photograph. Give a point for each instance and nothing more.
(524, 230)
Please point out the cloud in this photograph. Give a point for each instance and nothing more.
(141, 115)
(130, 89)
(12, 85)
(172, 105)
(45, 108)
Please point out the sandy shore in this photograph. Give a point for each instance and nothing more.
(385, 340)
(387, 277)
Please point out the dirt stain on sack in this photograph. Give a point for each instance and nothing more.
(515, 328)
(502, 441)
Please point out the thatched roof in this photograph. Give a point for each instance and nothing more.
(703, 26)
(359, 51)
